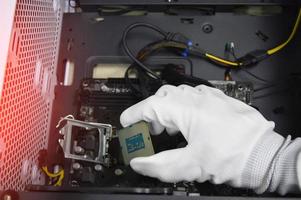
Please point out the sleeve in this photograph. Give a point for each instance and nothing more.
(274, 165)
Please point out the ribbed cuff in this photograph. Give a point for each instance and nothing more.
(285, 179)
(272, 165)
(259, 168)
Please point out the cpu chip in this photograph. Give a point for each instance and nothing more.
(135, 141)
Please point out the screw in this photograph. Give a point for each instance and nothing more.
(207, 28)
(118, 172)
(76, 166)
(98, 168)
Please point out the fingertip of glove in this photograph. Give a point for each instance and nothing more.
(165, 89)
(146, 166)
(202, 88)
(156, 128)
(137, 164)
(124, 119)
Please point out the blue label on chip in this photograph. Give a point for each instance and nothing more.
(135, 143)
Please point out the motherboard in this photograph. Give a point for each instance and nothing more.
(94, 153)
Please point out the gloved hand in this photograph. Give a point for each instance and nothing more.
(221, 133)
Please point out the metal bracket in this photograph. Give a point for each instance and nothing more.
(67, 143)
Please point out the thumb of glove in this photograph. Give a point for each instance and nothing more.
(169, 166)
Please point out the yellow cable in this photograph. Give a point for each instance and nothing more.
(279, 47)
(269, 52)
(59, 174)
(52, 175)
(227, 62)
(59, 182)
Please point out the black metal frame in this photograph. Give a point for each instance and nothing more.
(186, 2)
(91, 196)
(92, 5)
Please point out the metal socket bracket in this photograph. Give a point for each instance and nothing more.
(67, 143)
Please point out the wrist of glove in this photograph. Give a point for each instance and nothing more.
(258, 172)
(221, 132)
(273, 165)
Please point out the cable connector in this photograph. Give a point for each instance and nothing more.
(180, 38)
(253, 58)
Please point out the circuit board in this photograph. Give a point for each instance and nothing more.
(103, 100)
(242, 91)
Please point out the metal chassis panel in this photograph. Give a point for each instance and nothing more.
(186, 2)
(89, 196)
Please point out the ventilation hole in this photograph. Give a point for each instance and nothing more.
(24, 113)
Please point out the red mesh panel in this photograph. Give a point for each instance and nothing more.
(24, 107)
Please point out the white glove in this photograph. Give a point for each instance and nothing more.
(221, 133)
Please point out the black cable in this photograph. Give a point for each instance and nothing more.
(173, 77)
(128, 81)
(268, 84)
(255, 76)
(291, 81)
(142, 55)
(273, 84)
(177, 38)
(264, 87)
(129, 52)
(232, 51)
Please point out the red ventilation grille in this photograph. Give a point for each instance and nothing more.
(24, 106)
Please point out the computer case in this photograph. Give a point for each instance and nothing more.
(41, 39)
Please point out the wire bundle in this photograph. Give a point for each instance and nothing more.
(185, 47)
